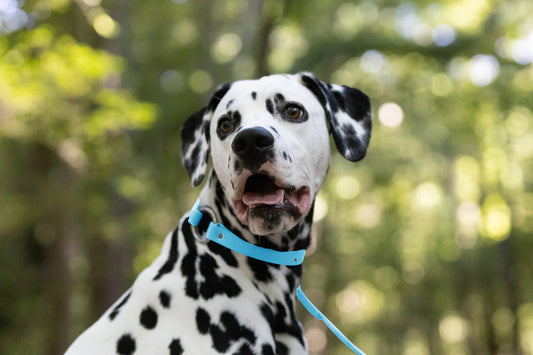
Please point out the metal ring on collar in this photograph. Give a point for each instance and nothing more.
(196, 232)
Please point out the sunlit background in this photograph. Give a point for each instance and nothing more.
(424, 247)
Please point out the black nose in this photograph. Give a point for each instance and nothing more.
(251, 142)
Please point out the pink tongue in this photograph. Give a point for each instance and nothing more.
(254, 198)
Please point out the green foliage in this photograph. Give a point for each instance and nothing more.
(421, 248)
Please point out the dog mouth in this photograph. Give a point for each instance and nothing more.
(261, 193)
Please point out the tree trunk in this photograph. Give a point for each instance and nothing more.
(59, 261)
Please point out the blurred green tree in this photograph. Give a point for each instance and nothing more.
(66, 145)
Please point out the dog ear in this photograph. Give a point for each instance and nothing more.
(195, 138)
(348, 113)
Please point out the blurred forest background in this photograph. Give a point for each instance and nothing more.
(424, 247)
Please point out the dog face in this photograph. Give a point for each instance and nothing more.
(269, 144)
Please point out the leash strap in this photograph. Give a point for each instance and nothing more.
(219, 234)
(318, 315)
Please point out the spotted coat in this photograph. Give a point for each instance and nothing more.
(268, 141)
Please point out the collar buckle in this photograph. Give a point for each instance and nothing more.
(194, 220)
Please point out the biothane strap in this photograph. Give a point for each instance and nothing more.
(219, 234)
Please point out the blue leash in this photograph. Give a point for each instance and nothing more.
(219, 234)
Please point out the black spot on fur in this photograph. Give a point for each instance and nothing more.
(164, 298)
(291, 281)
(301, 233)
(190, 127)
(175, 347)
(229, 330)
(292, 327)
(276, 316)
(126, 345)
(279, 98)
(188, 264)
(350, 146)
(267, 350)
(260, 269)
(220, 198)
(274, 130)
(225, 253)
(236, 115)
(254, 95)
(196, 153)
(198, 180)
(237, 166)
(270, 106)
(117, 308)
(267, 313)
(281, 349)
(148, 318)
(348, 130)
(217, 96)
(207, 134)
(354, 102)
(220, 341)
(244, 350)
(168, 266)
(203, 321)
(230, 102)
(313, 85)
(328, 90)
(214, 284)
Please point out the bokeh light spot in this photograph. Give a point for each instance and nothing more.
(390, 114)
(226, 47)
(496, 218)
(171, 81)
(372, 61)
(453, 329)
(443, 35)
(105, 26)
(428, 194)
(347, 187)
(369, 215)
(483, 69)
(321, 209)
(200, 81)
(316, 339)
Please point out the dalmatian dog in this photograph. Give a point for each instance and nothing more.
(268, 141)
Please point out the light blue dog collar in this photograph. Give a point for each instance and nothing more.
(219, 234)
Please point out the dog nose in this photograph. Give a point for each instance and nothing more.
(252, 141)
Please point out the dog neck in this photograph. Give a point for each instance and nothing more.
(299, 237)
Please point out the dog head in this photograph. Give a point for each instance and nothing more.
(269, 144)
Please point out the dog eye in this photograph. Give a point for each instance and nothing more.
(225, 125)
(292, 112)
